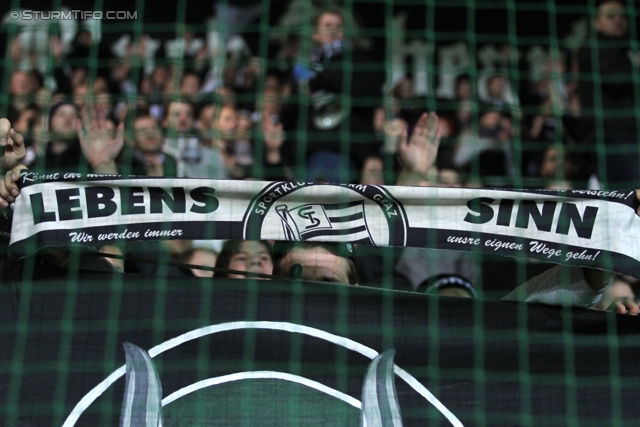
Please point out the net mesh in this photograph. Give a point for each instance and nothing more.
(530, 94)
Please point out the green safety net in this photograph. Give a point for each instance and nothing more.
(300, 351)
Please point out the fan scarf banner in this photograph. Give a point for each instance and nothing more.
(597, 229)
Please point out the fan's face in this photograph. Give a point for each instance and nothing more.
(330, 28)
(612, 19)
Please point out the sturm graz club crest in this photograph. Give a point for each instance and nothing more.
(356, 213)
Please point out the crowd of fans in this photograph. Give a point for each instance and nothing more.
(114, 109)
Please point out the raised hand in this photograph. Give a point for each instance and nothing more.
(13, 145)
(419, 154)
(100, 142)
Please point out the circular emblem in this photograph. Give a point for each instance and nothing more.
(300, 211)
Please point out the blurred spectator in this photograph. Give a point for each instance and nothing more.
(63, 151)
(21, 90)
(154, 89)
(244, 255)
(228, 95)
(245, 125)
(246, 82)
(80, 95)
(78, 78)
(463, 98)
(120, 79)
(330, 112)
(463, 88)
(486, 151)
(275, 161)
(44, 99)
(206, 124)
(608, 108)
(409, 106)
(200, 256)
(226, 125)
(269, 104)
(545, 125)
(81, 46)
(278, 154)
(326, 262)
(235, 152)
(172, 87)
(552, 165)
(372, 171)
(555, 121)
(159, 79)
(81, 49)
(275, 83)
(243, 148)
(553, 87)
(176, 248)
(190, 86)
(28, 116)
(495, 92)
(148, 156)
(196, 160)
(240, 81)
(559, 163)
(100, 85)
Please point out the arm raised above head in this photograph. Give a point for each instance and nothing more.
(418, 155)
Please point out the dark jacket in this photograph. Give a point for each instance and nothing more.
(613, 96)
